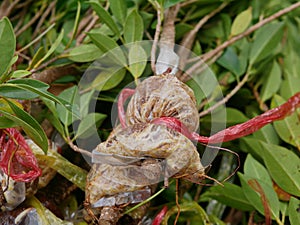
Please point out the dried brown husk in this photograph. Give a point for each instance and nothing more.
(174, 155)
(163, 96)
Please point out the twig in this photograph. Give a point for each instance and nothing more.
(188, 40)
(35, 18)
(232, 40)
(167, 36)
(156, 37)
(90, 22)
(185, 3)
(6, 7)
(80, 150)
(43, 17)
(227, 97)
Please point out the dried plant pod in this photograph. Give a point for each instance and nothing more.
(163, 96)
(163, 153)
(160, 153)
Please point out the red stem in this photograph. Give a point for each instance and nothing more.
(159, 217)
(124, 95)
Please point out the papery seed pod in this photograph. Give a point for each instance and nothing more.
(160, 151)
(163, 96)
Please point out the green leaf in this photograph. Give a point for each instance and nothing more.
(31, 127)
(266, 39)
(230, 195)
(72, 97)
(290, 86)
(255, 197)
(241, 22)
(134, 27)
(272, 82)
(65, 168)
(20, 73)
(294, 215)
(104, 16)
(18, 88)
(53, 47)
(230, 61)
(119, 9)
(137, 60)
(37, 56)
(283, 166)
(6, 123)
(7, 45)
(88, 125)
(252, 146)
(85, 53)
(108, 79)
(254, 169)
(267, 134)
(107, 44)
(288, 129)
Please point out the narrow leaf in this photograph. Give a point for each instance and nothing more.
(254, 169)
(283, 166)
(288, 129)
(134, 27)
(231, 195)
(104, 16)
(119, 9)
(255, 197)
(89, 124)
(109, 46)
(265, 41)
(85, 53)
(109, 79)
(137, 60)
(241, 22)
(7, 45)
(294, 207)
(272, 82)
(52, 49)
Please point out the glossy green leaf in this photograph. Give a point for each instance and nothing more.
(119, 9)
(283, 166)
(288, 129)
(272, 82)
(85, 53)
(294, 215)
(192, 207)
(53, 47)
(266, 39)
(104, 16)
(6, 123)
(255, 197)
(70, 171)
(290, 86)
(134, 27)
(230, 61)
(31, 127)
(71, 96)
(20, 73)
(137, 60)
(241, 22)
(7, 44)
(267, 134)
(109, 79)
(107, 44)
(37, 57)
(254, 169)
(251, 145)
(230, 195)
(88, 125)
